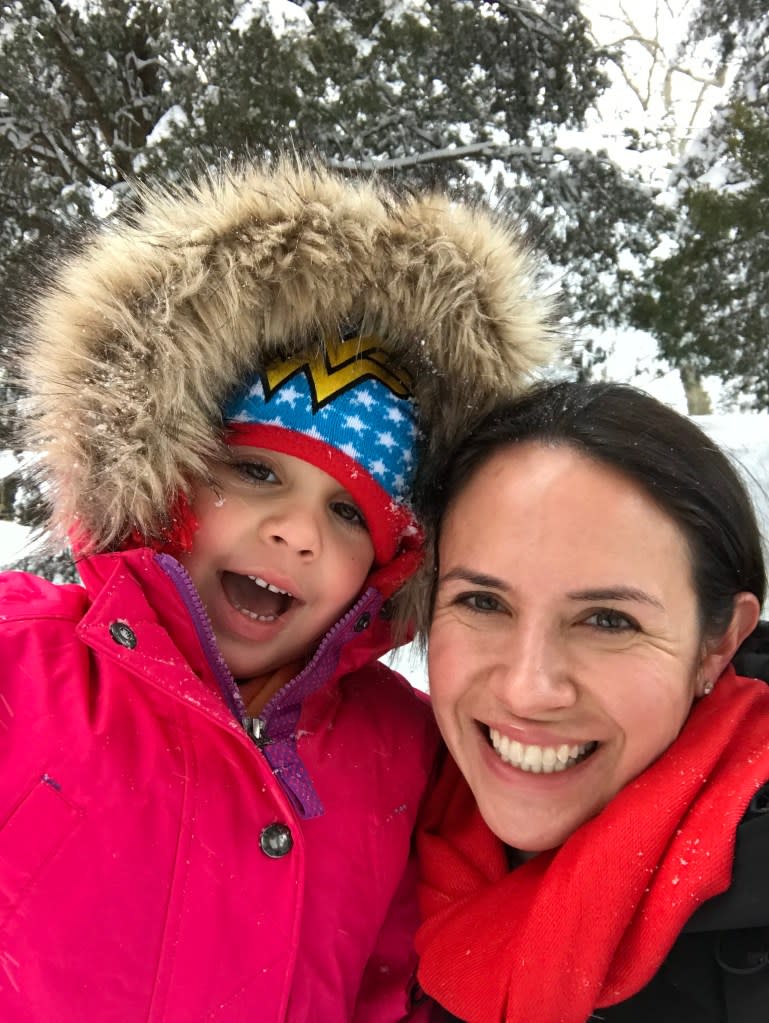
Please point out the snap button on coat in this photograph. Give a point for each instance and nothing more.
(276, 841)
(123, 634)
(362, 623)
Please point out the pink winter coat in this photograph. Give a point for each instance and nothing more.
(158, 863)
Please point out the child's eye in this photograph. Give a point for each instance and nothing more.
(256, 472)
(349, 513)
(611, 621)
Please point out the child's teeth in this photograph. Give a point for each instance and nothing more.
(268, 586)
(254, 616)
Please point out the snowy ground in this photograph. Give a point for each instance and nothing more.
(745, 436)
(14, 542)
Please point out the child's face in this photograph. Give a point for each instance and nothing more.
(280, 553)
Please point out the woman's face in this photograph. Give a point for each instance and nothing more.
(565, 646)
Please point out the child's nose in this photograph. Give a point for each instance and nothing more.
(296, 528)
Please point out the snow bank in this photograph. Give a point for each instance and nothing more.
(745, 438)
(14, 542)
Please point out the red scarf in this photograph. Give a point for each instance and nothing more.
(588, 924)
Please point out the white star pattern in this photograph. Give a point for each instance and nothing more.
(288, 395)
(354, 423)
(343, 424)
(363, 398)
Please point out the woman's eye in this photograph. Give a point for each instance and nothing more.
(349, 513)
(257, 472)
(484, 603)
(612, 621)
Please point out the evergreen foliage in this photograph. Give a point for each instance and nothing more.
(96, 94)
(707, 302)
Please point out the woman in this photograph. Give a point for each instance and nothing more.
(607, 854)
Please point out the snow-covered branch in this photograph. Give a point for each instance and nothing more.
(485, 151)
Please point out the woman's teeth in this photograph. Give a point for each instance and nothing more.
(539, 759)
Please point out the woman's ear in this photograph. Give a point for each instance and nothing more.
(718, 653)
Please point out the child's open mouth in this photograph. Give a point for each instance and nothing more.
(255, 598)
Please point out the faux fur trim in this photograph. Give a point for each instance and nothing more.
(144, 332)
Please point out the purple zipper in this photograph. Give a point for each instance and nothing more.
(274, 730)
(280, 715)
(316, 673)
(205, 633)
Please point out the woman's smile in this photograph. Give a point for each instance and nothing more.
(565, 640)
(539, 759)
(596, 564)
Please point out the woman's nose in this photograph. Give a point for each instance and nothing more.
(531, 677)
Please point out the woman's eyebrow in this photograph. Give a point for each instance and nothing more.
(617, 593)
(466, 575)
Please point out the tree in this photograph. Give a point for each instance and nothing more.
(657, 106)
(707, 300)
(96, 94)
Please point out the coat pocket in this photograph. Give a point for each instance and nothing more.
(30, 837)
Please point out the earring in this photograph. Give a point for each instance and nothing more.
(708, 688)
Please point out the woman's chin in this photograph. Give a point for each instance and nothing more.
(534, 812)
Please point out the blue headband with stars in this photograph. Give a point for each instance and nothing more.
(345, 409)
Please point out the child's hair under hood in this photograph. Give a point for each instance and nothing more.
(134, 348)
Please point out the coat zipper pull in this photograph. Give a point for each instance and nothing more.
(256, 729)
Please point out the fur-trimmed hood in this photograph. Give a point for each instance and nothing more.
(141, 336)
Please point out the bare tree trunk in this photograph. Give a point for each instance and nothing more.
(697, 398)
(8, 486)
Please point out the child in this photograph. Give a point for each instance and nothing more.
(209, 781)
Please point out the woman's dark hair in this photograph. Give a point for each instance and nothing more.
(663, 452)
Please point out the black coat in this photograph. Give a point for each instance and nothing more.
(718, 970)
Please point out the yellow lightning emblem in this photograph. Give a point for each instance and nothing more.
(341, 365)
